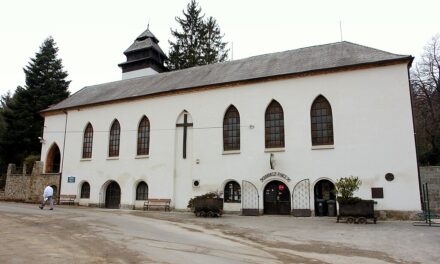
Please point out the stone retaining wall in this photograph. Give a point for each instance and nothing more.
(431, 175)
(16, 187)
(29, 187)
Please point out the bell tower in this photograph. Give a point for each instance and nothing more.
(144, 57)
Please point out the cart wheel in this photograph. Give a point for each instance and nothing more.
(362, 220)
(350, 220)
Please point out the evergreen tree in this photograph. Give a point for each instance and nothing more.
(46, 85)
(213, 46)
(198, 43)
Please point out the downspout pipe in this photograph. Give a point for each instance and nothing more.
(62, 158)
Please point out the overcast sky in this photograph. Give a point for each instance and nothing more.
(91, 35)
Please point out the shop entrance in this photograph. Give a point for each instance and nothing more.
(276, 198)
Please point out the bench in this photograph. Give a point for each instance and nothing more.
(165, 203)
(67, 199)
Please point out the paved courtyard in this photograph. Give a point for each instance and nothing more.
(88, 235)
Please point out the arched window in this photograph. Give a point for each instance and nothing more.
(115, 135)
(88, 142)
(274, 126)
(231, 129)
(232, 193)
(321, 122)
(85, 190)
(142, 191)
(143, 137)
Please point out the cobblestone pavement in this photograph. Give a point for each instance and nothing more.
(90, 235)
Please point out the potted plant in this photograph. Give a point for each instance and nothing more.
(354, 209)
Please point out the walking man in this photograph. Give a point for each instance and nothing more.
(48, 195)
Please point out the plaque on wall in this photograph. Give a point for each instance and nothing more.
(377, 193)
(71, 179)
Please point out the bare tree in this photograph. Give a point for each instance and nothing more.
(425, 83)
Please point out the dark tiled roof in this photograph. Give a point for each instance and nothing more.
(147, 34)
(328, 56)
(144, 44)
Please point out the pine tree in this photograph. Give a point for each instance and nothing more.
(213, 46)
(46, 85)
(198, 43)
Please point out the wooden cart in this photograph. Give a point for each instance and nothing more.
(212, 207)
(358, 212)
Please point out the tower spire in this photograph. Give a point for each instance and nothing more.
(144, 56)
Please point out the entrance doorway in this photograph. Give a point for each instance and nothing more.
(113, 195)
(276, 198)
(325, 198)
(53, 160)
(55, 193)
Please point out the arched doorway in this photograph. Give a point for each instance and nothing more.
(276, 198)
(113, 195)
(53, 159)
(325, 196)
(55, 193)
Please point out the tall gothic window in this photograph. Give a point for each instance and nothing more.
(142, 191)
(274, 126)
(232, 193)
(115, 136)
(321, 122)
(85, 190)
(143, 137)
(88, 142)
(231, 129)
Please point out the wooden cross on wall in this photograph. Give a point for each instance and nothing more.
(185, 126)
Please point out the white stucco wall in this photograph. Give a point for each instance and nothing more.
(373, 135)
(138, 73)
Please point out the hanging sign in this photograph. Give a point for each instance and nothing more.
(71, 179)
(275, 174)
(281, 187)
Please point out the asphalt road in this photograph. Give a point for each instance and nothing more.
(87, 235)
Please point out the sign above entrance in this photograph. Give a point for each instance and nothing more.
(70, 179)
(275, 174)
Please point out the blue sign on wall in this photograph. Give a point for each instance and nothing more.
(70, 179)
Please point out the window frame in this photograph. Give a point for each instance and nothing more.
(85, 194)
(87, 147)
(321, 122)
(233, 195)
(143, 137)
(274, 135)
(231, 129)
(114, 139)
(142, 193)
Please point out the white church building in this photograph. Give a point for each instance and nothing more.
(270, 133)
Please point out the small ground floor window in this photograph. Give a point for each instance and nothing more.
(232, 192)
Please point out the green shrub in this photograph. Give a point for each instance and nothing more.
(345, 188)
(206, 195)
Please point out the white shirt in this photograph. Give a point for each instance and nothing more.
(48, 191)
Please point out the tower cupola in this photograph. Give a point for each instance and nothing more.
(144, 57)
